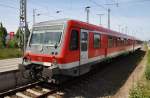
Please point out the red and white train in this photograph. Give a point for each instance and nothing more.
(71, 47)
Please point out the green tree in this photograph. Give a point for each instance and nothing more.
(3, 34)
(20, 36)
(27, 34)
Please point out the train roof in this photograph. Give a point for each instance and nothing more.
(52, 22)
(91, 26)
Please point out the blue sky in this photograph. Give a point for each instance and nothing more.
(133, 14)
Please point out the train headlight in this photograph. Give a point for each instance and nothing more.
(47, 64)
(54, 61)
(26, 61)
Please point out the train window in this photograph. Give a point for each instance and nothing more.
(96, 40)
(84, 43)
(110, 42)
(74, 40)
(125, 41)
(119, 41)
(122, 41)
(84, 36)
(115, 41)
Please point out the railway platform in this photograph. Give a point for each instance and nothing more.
(10, 76)
(9, 64)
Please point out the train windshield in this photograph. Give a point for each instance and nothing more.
(45, 36)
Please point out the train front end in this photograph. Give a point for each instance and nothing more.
(44, 50)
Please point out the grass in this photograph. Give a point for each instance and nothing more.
(7, 53)
(142, 90)
(147, 71)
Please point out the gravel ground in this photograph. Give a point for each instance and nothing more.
(108, 80)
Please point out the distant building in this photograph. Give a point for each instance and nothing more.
(10, 36)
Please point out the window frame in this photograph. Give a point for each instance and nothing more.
(99, 45)
(112, 42)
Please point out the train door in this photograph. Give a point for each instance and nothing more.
(83, 47)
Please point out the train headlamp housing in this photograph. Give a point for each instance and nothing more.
(26, 61)
(54, 60)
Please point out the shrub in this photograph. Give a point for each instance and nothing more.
(12, 44)
(136, 93)
(142, 90)
(1, 44)
(147, 72)
(7, 53)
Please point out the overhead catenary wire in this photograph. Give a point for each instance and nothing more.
(9, 3)
(97, 4)
(8, 6)
(12, 2)
(107, 9)
(133, 2)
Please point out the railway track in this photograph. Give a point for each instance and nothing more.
(33, 90)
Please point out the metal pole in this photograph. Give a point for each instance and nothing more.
(119, 28)
(122, 30)
(23, 21)
(20, 38)
(100, 17)
(100, 20)
(87, 9)
(25, 25)
(108, 18)
(126, 30)
(87, 15)
(34, 16)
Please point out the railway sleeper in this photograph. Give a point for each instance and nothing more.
(35, 92)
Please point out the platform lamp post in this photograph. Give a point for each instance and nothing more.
(59, 11)
(34, 15)
(109, 11)
(109, 18)
(126, 29)
(87, 9)
(100, 18)
(119, 28)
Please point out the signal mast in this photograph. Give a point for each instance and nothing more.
(23, 22)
